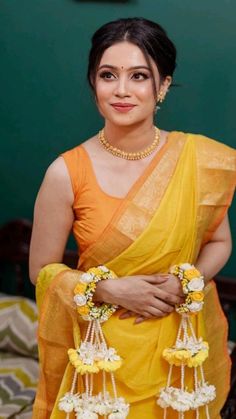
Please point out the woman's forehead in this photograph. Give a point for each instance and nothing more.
(123, 55)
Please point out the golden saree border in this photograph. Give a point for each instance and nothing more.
(216, 184)
(58, 331)
(139, 205)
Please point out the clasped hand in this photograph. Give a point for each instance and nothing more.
(143, 296)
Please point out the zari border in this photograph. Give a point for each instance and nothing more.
(137, 210)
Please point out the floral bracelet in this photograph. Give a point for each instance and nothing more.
(193, 284)
(85, 290)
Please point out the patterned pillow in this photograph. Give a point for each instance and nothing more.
(18, 382)
(18, 325)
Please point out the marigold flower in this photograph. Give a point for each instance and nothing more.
(83, 310)
(95, 271)
(80, 288)
(198, 359)
(191, 273)
(197, 296)
(176, 357)
(109, 366)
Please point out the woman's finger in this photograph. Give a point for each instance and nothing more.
(170, 299)
(140, 319)
(155, 279)
(126, 315)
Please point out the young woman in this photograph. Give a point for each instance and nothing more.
(139, 200)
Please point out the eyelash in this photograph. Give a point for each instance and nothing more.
(104, 75)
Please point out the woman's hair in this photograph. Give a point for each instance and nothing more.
(149, 36)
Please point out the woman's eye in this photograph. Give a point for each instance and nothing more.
(140, 76)
(107, 75)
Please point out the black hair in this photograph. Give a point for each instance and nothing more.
(149, 36)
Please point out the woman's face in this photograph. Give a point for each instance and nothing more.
(124, 85)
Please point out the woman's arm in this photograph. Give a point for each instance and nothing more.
(216, 252)
(53, 218)
(212, 258)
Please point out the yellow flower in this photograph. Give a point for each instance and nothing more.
(109, 366)
(80, 288)
(176, 357)
(83, 310)
(196, 296)
(95, 271)
(198, 359)
(191, 273)
(92, 286)
(84, 368)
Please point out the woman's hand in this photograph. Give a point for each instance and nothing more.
(145, 295)
(171, 285)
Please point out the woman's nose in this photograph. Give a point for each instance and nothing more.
(122, 87)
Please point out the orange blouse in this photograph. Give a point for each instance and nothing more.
(93, 208)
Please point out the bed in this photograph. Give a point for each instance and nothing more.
(18, 324)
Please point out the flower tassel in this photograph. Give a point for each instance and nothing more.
(187, 352)
(93, 356)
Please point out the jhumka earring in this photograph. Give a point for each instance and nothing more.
(160, 98)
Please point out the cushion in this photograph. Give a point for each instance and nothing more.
(18, 382)
(18, 325)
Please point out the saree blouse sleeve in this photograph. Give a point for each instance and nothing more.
(216, 172)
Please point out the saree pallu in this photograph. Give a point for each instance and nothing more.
(165, 221)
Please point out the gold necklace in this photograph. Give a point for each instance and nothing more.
(125, 154)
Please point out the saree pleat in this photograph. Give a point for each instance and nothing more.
(181, 221)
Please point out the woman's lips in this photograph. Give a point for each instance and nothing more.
(123, 107)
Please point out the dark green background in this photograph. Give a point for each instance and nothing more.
(46, 106)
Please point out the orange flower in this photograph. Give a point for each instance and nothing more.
(80, 288)
(197, 296)
(192, 273)
(83, 310)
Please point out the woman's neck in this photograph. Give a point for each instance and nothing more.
(130, 138)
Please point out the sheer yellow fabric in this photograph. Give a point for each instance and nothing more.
(178, 227)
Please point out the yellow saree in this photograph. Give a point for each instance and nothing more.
(163, 222)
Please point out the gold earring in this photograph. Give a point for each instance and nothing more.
(160, 96)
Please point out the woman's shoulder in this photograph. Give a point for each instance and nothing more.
(209, 149)
(210, 143)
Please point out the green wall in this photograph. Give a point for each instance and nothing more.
(46, 106)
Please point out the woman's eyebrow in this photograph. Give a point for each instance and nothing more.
(137, 67)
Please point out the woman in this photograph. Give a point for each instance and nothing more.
(139, 200)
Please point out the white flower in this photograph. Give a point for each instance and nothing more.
(67, 402)
(117, 415)
(178, 399)
(186, 266)
(204, 395)
(88, 353)
(86, 414)
(120, 409)
(86, 278)
(196, 284)
(195, 306)
(102, 408)
(103, 268)
(80, 299)
(194, 346)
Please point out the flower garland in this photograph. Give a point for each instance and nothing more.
(193, 284)
(93, 355)
(85, 290)
(191, 353)
(188, 351)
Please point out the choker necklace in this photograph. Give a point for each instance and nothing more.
(125, 154)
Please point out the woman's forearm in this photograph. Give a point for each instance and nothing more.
(212, 258)
(215, 253)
